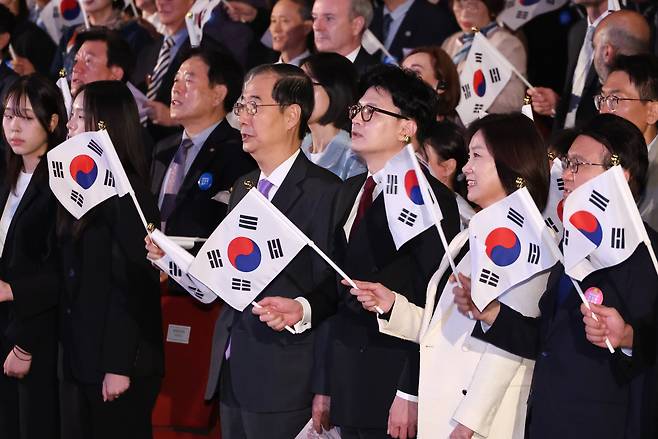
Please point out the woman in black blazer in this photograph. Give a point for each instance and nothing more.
(34, 122)
(110, 306)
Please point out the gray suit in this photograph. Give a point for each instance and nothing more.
(649, 203)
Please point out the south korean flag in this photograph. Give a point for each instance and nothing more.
(197, 18)
(509, 243)
(555, 205)
(253, 244)
(484, 75)
(519, 12)
(84, 171)
(602, 225)
(407, 211)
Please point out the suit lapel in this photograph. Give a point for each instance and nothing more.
(290, 189)
(162, 161)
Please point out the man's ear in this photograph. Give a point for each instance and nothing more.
(293, 116)
(652, 113)
(219, 92)
(117, 73)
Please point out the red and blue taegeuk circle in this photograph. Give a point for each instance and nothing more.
(502, 246)
(479, 83)
(83, 170)
(412, 188)
(560, 209)
(244, 254)
(69, 9)
(588, 225)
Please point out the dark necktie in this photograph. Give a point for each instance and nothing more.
(175, 177)
(364, 203)
(386, 26)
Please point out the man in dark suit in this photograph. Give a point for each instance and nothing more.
(264, 377)
(403, 25)
(193, 171)
(370, 380)
(338, 26)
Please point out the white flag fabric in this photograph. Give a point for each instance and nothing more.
(509, 243)
(555, 204)
(250, 247)
(519, 12)
(85, 170)
(602, 225)
(484, 75)
(63, 85)
(176, 264)
(407, 212)
(197, 17)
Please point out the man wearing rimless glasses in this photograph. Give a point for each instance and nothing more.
(631, 91)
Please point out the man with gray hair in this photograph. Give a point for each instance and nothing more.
(338, 26)
(620, 33)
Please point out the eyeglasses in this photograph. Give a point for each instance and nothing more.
(612, 101)
(368, 110)
(250, 107)
(573, 165)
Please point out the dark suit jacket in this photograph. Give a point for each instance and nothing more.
(578, 389)
(110, 305)
(586, 109)
(364, 61)
(271, 371)
(29, 265)
(222, 157)
(366, 368)
(423, 25)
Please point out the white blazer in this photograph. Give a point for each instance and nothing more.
(463, 379)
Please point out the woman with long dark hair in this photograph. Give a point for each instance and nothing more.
(33, 122)
(110, 306)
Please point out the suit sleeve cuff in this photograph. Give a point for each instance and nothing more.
(305, 323)
(406, 396)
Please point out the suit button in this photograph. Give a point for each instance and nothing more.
(362, 349)
(464, 392)
(71, 273)
(68, 311)
(544, 354)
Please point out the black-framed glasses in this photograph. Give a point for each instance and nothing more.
(368, 110)
(612, 101)
(573, 165)
(250, 107)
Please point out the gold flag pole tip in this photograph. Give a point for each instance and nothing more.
(101, 125)
(62, 72)
(150, 227)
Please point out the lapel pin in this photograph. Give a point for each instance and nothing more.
(594, 295)
(249, 184)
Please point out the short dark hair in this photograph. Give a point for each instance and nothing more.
(561, 142)
(46, 100)
(119, 53)
(642, 70)
(223, 69)
(303, 8)
(415, 99)
(447, 140)
(293, 87)
(446, 73)
(337, 75)
(518, 151)
(113, 103)
(623, 138)
(7, 20)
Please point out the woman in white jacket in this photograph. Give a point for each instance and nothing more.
(469, 388)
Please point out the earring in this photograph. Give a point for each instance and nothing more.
(551, 156)
(520, 182)
(614, 160)
(406, 139)
(101, 125)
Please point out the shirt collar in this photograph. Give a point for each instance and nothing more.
(653, 144)
(279, 174)
(400, 11)
(296, 60)
(199, 139)
(598, 20)
(353, 54)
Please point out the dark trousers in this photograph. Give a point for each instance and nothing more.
(237, 423)
(29, 407)
(86, 416)
(363, 433)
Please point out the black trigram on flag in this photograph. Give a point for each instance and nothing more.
(560, 184)
(521, 15)
(477, 108)
(392, 184)
(550, 223)
(197, 292)
(478, 57)
(533, 254)
(58, 170)
(240, 284)
(494, 74)
(466, 90)
(599, 200)
(215, 258)
(174, 271)
(248, 222)
(408, 218)
(95, 147)
(77, 198)
(618, 238)
(274, 246)
(489, 278)
(566, 237)
(109, 178)
(515, 217)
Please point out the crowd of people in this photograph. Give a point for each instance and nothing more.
(287, 97)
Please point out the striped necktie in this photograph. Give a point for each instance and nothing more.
(161, 67)
(174, 180)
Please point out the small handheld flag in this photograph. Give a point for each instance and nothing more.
(197, 17)
(554, 206)
(519, 12)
